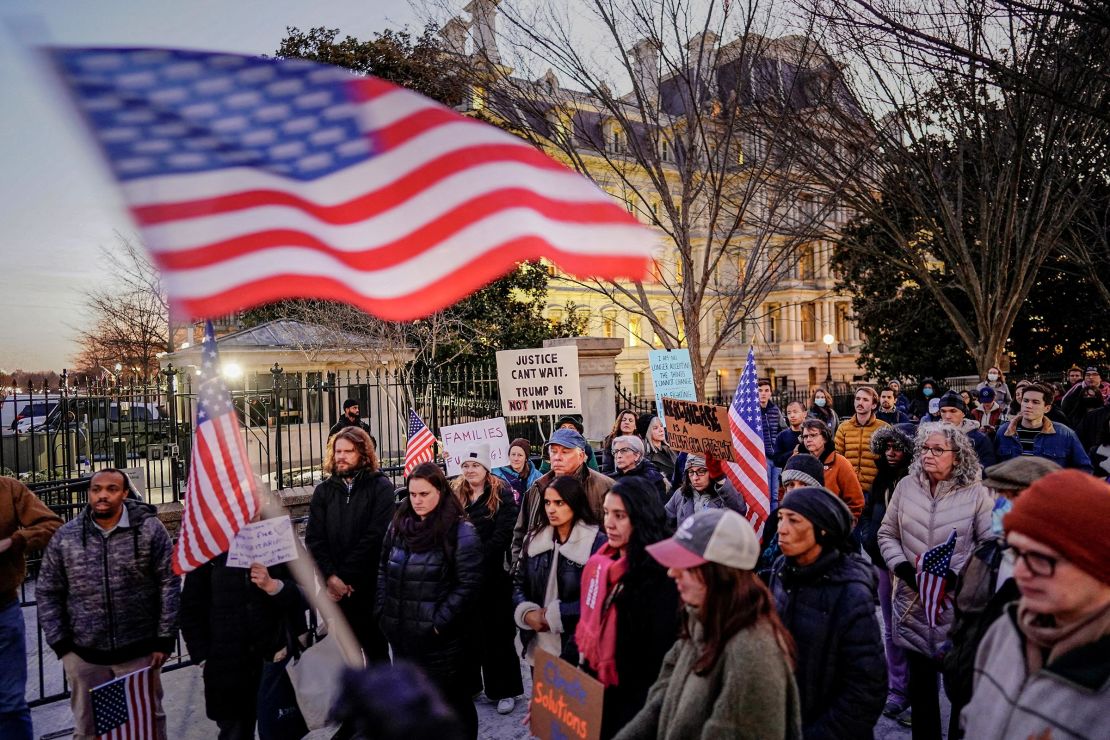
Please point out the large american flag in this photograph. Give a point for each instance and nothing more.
(221, 495)
(419, 448)
(749, 473)
(932, 571)
(123, 708)
(256, 179)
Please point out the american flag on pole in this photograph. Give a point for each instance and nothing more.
(254, 180)
(749, 473)
(123, 708)
(419, 448)
(932, 571)
(221, 494)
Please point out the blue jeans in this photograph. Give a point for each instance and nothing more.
(773, 474)
(15, 717)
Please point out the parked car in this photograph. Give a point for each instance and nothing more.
(35, 416)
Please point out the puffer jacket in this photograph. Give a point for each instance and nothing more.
(110, 599)
(1056, 442)
(882, 488)
(494, 530)
(841, 479)
(829, 608)
(531, 514)
(916, 521)
(773, 423)
(424, 599)
(853, 442)
(646, 470)
(683, 504)
(531, 576)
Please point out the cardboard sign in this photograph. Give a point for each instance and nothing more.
(457, 437)
(672, 376)
(566, 703)
(539, 381)
(270, 541)
(700, 428)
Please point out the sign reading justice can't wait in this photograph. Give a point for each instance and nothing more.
(539, 381)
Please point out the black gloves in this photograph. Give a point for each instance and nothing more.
(907, 573)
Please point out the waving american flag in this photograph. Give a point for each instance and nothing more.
(932, 577)
(749, 473)
(254, 180)
(123, 708)
(420, 444)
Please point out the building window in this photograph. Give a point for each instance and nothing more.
(664, 150)
(582, 318)
(608, 323)
(617, 140)
(637, 384)
(555, 316)
(661, 323)
(809, 322)
(842, 322)
(774, 323)
(680, 323)
(807, 263)
(634, 335)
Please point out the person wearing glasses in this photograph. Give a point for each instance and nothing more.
(1042, 668)
(817, 439)
(942, 492)
(628, 454)
(700, 491)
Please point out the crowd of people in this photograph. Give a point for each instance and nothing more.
(951, 542)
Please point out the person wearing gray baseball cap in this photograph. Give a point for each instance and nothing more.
(730, 674)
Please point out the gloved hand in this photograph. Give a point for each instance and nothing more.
(715, 467)
(907, 573)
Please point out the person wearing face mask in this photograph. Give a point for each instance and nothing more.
(996, 381)
(919, 409)
(986, 585)
(820, 408)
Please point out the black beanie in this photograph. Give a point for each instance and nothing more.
(952, 400)
(349, 403)
(831, 518)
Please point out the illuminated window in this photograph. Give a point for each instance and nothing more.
(608, 323)
(807, 263)
(809, 322)
(774, 323)
(638, 384)
(555, 316)
(634, 335)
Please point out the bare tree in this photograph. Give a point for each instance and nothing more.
(640, 97)
(128, 316)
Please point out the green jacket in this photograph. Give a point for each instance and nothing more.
(749, 693)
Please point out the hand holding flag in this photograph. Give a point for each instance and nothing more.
(932, 578)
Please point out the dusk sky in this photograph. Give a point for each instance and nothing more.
(57, 204)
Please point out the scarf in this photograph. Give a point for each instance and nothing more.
(1045, 641)
(418, 534)
(596, 634)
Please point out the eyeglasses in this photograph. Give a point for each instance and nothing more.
(936, 451)
(697, 472)
(624, 451)
(1038, 563)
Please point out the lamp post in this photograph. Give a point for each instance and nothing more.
(828, 339)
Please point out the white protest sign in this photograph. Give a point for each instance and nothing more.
(270, 541)
(493, 432)
(539, 381)
(672, 376)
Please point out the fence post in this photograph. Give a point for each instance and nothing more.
(278, 405)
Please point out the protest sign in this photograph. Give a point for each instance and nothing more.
(566, 703)
(539, 381)
(493, 432)
(270, 541)
(672, 376)
(701, 428)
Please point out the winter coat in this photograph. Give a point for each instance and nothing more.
(993, 417)
(773, 423)
(826, 415)
(683, 504)
(882, 488)
(30, 524)
(520, 483)
(495, 531)
(1090, 430)
(345, 421)
(1066, 699)
(854, 443)
(841, 479)
(1002, 394)
(644, 469)
(110, 599)
(531, 576)
(531, 515)
(1055, 442)
(663, 459)
(233, 627)
(897, 416)
(916, 521)
(984, 447)
(424, 600)
(785, 445)
(748, 694)
(829, 608)
(345, 528)
(919, 406)
(647, 625)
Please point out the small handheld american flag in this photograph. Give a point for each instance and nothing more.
(419, 449)
(123, 708)
(932, 572)
(749, 473)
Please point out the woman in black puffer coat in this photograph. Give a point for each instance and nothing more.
(826, 599)
(428, 583)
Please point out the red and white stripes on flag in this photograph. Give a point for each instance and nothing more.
(420, 445)
(932, 578)
(221, 495)
(254, 180)
(749, 473)
(123, 708)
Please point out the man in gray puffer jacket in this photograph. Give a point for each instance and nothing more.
(107, 595)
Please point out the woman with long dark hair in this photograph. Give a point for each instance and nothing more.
(548, 576)
(629, 607)
(429, 580)
(625, 423)
(821, 408)
(730, 674)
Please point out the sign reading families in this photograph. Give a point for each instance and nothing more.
(672, 376)
(701, 428)
(458, 437)
(566, 703)
(539, 381)
(270, 541)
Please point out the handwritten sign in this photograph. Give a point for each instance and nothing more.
(457, 437)
(270, 541)
(701, 428)
(566, 703)
(539, 381)
(672, 376)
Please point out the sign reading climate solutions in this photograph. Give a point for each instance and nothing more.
(566, 703)
(539, 381)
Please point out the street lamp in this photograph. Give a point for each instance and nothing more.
(828, 339)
